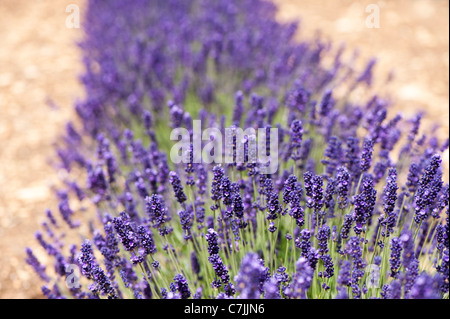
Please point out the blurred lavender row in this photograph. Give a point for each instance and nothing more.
(356, 187)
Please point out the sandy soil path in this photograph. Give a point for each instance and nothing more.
(38, 62)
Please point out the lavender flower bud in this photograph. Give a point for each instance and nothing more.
(366, 155)
(182, 286)
(177, 187)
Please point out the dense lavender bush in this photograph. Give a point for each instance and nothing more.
(356, 209)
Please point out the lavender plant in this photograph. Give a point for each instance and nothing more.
(350, 191)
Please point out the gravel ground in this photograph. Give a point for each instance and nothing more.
(39, 61)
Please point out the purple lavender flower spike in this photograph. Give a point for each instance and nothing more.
(216, 182)
(213, 241)
(220, 270)
(37, 266)
(427, 190)
(304, 242)
(343, 181)
(174, 180)
(323, 235)
(182, 286)
(158, 213)
(364, 204)
(389, 218)
(396, 250)
(296, 139)
(354, 250)
(366, 155)
(238, 109)
(125, 231)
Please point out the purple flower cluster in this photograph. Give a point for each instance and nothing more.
(307, 230)
(251, 277)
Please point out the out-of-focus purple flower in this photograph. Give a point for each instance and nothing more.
(443, 270)
(195, 264)
(202, 177)
(394, 290)
(326, 104)
(408, 245)
(251, 277)
(96, 181)
(67, 213)
(272, 289)
(296, 133)
(389, 219)
(345, 274)
(413, 178)
(410, 276)
(354, 250)
(238, 108)
(367, 74)
(37, 266)
(301, 280)
(425, 287)
(333, 155)
(352, 160)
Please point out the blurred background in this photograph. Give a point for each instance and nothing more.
(40, 65)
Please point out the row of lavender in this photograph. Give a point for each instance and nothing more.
(357, 209)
